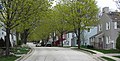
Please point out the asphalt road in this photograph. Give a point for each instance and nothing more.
(57, 54)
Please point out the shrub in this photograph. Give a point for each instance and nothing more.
(118, 42)
(89, 46)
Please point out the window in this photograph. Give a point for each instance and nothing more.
(68, 35)
(115, 25)
(107, 26)
(100, 27)
(109, 39)
(106, 40)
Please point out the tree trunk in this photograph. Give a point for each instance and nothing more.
(78, 38)
(7, 39)
(53, 39)
(24, 36)
(61, 38)
(26, 33)
(17, 38)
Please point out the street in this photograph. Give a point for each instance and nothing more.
(57, 54)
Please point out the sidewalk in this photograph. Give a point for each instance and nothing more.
(100, 54)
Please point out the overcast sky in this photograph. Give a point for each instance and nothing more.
(107, 3)
(104, 3)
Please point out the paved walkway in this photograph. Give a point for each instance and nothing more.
(99, 54)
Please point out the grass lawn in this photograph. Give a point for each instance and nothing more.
(107, 51)
(117, 56)
(9, 58)
(104, 51)
(108, 59)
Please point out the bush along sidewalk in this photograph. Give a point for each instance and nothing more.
(21, 50)
(15, 53)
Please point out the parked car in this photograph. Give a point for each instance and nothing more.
(34, 42)
(48, 45)
(38, 45)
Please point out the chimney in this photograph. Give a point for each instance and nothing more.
(105, 10)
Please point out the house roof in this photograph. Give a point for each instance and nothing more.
(115, 16)
(96, 35)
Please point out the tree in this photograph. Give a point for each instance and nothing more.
(59, 20)
(118, 42)
(82, 14)
(32, 20)
(17, 12)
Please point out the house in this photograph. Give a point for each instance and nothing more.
(107, 30)
(3, 34)
(87, 34)
(70, 39)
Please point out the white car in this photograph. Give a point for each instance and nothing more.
(38, 45)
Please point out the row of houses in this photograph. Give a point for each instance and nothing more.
(102, 36)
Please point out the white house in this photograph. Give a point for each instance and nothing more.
(88, 34)
(70, 39)
(3, 34)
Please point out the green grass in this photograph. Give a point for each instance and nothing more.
(9, 58)
(104, 51)
(107, 51)
(22, 50)
(108, 59)
(117, 56)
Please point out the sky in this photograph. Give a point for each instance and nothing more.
(107, 3)
(104, 3)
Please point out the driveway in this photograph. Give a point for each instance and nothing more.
(57, 54)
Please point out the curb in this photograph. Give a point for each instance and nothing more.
(93, 56)
(25, 56)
